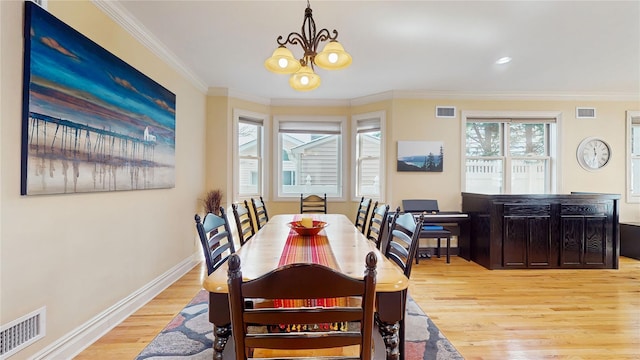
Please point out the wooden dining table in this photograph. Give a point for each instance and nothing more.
(346, 245)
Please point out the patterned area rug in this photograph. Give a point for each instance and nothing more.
(190, 336)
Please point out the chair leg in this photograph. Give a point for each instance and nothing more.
(438, 248)
(401, 338)
(448, 248)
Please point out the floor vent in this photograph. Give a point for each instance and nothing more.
(22, 332)
(585, 113)
(446, 112)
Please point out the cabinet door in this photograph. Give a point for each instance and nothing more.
(526, 236)
(584, 237)
(572, 240)
(514, 244)
(539, 243)
(595, 248)
(526, 242)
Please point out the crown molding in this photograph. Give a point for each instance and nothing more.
(217, 91)
(444, 95)
(369, 99)
(123, 18)
(310, 102)
(526, 96)
(220, 91)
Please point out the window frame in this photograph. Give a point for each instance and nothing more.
(355, 119)
(554, 133)
(240, 115)
(633, 120)
(277, 163)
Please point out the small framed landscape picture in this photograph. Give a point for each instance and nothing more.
(423, 156)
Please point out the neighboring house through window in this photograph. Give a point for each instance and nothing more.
(510, 153)
(249, 143)
(367, 155)
(310, 156)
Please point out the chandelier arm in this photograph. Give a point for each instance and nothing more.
(323, 35)
(335, 35)
(293, 38)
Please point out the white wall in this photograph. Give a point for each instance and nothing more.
(80, 254)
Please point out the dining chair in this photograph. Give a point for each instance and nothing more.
(215, 238)
(292, 282)
(362, 216)
(378, 224)
(313, 204)
(404, 232)
(244, 221)
(260, 212)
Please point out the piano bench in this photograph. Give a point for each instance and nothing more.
(435, 234)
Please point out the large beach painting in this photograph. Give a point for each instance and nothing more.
(91, 122)
(420, 156)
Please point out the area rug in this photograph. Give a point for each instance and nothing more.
(190, 336)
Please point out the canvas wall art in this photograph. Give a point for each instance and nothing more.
(420, 156)
(90, 122)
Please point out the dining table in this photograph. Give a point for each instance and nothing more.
(340, 242)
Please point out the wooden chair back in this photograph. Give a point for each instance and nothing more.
(215, 238)
(244, 221)
(292, 282)
(260, 212)
(402, 243)
(378, 224)
(362, 216)
(313, 204)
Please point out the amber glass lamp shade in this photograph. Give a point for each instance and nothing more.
(333, 57)
(304, 80)
(282, 62)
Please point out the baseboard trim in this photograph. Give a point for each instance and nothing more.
(86, 334)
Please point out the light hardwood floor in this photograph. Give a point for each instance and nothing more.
(499, 314)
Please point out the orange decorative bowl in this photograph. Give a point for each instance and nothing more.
(305, 231)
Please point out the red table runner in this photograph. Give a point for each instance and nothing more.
(308, 249)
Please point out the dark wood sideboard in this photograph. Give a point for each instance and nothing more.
(576, 231)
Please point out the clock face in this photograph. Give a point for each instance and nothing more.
(593, 153)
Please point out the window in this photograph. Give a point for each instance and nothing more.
(633, 156)
(367, 155)
(248, 159)
(310, 156)
(288, 177)
(509, 156)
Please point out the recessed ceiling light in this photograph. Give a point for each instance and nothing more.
(503, 60)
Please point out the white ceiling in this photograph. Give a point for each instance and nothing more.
(559, 48)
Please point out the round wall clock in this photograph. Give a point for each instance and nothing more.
(593, 153)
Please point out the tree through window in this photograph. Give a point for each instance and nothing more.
(505, 156)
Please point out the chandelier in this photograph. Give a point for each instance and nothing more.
(303, 77)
